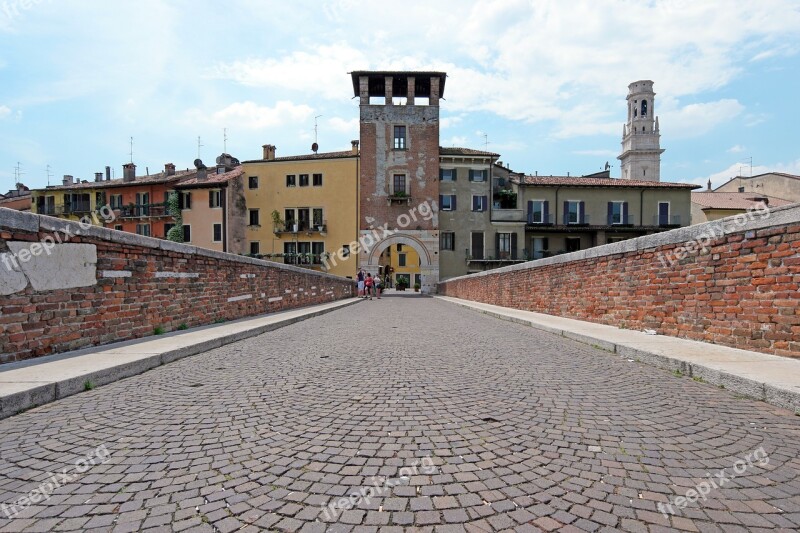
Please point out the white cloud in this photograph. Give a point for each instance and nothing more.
(348, 126)
(694, 120)
(596, 153)
(4, 111)
(249, 115)
(449, 122)
(736, 149)
(459, 141)
(743, 169)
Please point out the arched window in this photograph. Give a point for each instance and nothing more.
(634, 112)
(644, 108)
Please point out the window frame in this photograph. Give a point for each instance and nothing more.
(403, 178)
(257, 247)
(250, 181)
(484, 203)
(187, 228)
(314, 181)
(215, 197)
(214, 227)
(302, 180)
(291, 180)
(400, 142)
(450, 199)
(250, 213)
(447, 241)
(577, 212)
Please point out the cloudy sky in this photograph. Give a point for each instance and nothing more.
(544, 82)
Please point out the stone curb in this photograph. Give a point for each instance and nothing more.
(755, 389)
(36, 396)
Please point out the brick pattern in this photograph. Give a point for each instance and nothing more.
(34, 323)
(742, 292)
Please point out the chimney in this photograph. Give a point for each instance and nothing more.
(221, 169)
(128, 172)
(169, 169)
(108, 173)
(354, 145)
(709, 185)
(269, 152)
(98, 176)
(202, 174)
(67, 180)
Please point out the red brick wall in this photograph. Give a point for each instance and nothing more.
(742, 291)
(120, 308)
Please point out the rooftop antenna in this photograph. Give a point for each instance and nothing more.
(131, 153)
(17, 174)
(199, 145)
(48, 175)
(315, 146)
(750, 159)
(224, 140)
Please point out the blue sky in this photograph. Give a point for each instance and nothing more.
(545, 82)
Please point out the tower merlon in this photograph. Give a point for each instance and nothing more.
(398, 84)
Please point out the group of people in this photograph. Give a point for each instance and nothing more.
(369, 286)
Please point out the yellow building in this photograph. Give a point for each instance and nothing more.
(403, 264)
(72, 200)
(303, 210)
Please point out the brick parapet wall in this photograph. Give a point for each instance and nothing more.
(111, 286)
(740, 289)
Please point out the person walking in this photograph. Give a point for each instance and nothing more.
(378, 286)
(368, 285)
(361, 281)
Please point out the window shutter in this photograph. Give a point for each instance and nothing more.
(454, 174)
(453, 240)
(180, 200)
(582, 208)
(210, 198)
(546, 212)
(453, 202)
(545, 243)
(530, 211)
(610, 213)
(496, 245)
(188, 200)
(484, 203)
(625, 213)
(513, 246)
(441, 174)
(471, 175)
(441, 200)
(566, 212)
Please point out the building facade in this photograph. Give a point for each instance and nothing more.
(303, 210)
(641, 140)
(399, 174)
(18, 199)
(772, 184)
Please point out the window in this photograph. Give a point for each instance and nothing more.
(185, 200)
(254, 218)
(540, 247)
(572, 244)
(399, 137)
(317, 220)
(217, 233)
(741, 189)
(118, 227)
(401, 260)
(480, 203)
(255, 247)
(99, 199)
(317, 180)
(663, 213)
(399, 247)
(252, 182)
(116, 201)
(447, 240)
(304, 180)
(289, 253)
(142, 204)
(289, 218)
(215, 198)
(167, 227)
(477, 175)
(317, 250)
(504, 244)
(345, 250)
(617, 213)
(303, 219)
(143, 229)
(477, 245)
(537, 212)
(187, 233)
(399, 184)
(447, 174)
(447, 202)
(290, 180)
(573, 212)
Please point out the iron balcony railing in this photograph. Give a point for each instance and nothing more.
(667, 220)
(540, 219)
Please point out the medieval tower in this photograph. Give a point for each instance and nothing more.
(641, 150)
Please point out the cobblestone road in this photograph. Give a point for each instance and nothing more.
(526, 432)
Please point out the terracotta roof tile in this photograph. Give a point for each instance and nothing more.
(570, 181)
(211, 179)
(304, 157)
(454, 150)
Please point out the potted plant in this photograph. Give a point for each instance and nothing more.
(416, 287)
(401, 285)
(277, 222)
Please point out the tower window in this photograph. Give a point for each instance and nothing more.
(644, 108)
(399, 137)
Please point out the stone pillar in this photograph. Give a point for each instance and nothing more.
(363, 89)
(434, 100)
(388, 89)
(411, 90)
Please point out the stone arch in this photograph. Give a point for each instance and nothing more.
(416, 244)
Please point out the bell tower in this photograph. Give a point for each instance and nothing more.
(641, 148)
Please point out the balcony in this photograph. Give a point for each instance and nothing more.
(619, 220)
(508, 215)
(540, 219)
(399, 198)
(142, 211)
(569, 219)
(516, 256)
(300, 227)
(79, 208)
(666, 221)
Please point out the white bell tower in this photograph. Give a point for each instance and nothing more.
(641, 149)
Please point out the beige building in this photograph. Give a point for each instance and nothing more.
(713, 205)
(770, 184)
(303, 209)
(213, 208)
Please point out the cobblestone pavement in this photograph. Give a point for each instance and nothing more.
(526, 431)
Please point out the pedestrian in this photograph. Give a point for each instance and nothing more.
(378, 286)
(360, 279)
(368, 284)
(387, 281)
